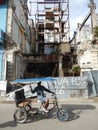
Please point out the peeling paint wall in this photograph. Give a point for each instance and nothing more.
(89, 59)
(16, 30)
(67, 87)
(3, 13)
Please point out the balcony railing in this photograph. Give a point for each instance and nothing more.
(42, 58)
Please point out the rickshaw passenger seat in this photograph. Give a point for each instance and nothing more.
(19, 96)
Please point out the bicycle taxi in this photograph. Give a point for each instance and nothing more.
(27, 104)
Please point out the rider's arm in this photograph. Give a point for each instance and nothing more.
(32, 90)
(47, 90)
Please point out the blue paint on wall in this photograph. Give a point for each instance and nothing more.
(3, 16)
(3, 20)
(1, 61)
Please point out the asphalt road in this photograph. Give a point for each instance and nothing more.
(83, 116)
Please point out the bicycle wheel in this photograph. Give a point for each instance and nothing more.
(20, 115)
(27, 108)
(62, 114)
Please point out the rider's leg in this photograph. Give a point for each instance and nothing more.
(46, 104)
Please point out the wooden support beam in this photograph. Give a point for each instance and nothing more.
(84, 21)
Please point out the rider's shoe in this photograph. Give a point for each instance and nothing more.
(45, 110)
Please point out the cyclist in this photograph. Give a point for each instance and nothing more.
(40, 94)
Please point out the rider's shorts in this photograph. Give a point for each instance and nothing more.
(41, 99)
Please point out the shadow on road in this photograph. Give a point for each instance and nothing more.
(75, 110)
(41, 116)
(8, 124)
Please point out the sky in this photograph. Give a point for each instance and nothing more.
(78, 11)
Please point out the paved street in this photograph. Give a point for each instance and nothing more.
(83, 116)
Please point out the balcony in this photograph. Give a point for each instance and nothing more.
(41, 58)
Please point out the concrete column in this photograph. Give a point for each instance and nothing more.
(92, 7)
(9, 18)
(61, 73)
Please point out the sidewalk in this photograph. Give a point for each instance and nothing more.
(66, 100)
(5, 100)
(79, 100)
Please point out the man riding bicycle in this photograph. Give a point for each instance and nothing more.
(40, 94)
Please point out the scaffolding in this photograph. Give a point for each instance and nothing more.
(51, 24)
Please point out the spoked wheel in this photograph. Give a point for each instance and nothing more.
(62, 114)
(20, 115)
(27, 108)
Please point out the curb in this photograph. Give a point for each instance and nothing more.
(67, 100)
(6, 100)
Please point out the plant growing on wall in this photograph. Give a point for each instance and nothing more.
(96, 31)
(76, 70)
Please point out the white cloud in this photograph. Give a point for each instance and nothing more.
(78, 11)
(77, 2)
(74, 22)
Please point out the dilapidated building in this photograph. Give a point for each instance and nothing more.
(15, 40)
(52, 55)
